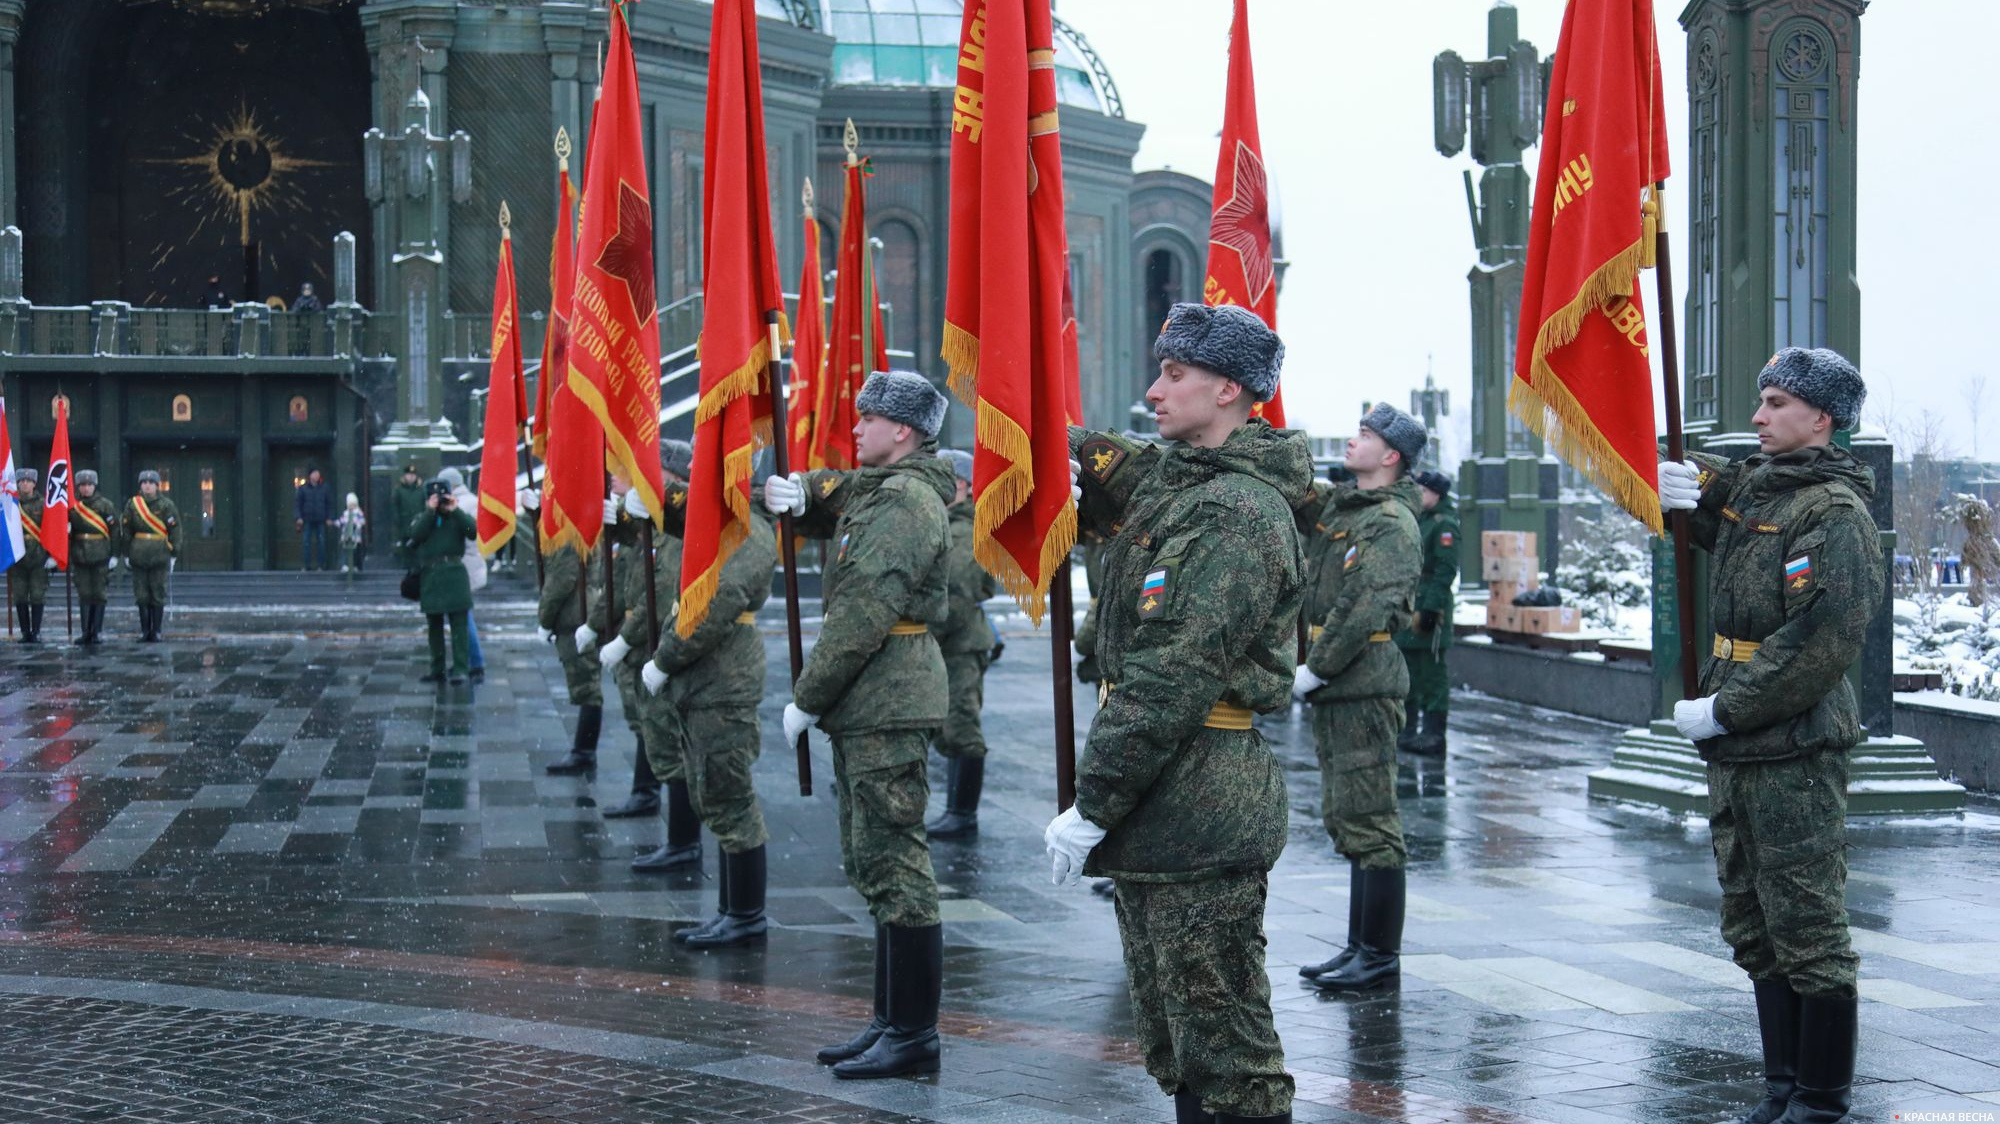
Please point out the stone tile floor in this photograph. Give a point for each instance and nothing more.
(260, 873)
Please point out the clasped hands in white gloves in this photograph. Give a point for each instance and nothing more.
(585, 636)
(610, 512)
(797, 722)
(1070, 838)
(785, 495)
(1304, 682)
(612, 652)
(1695, 719)
(1680, 485)
(653, 677)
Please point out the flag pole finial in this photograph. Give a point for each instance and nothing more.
(806, 196)
(563, 148)
(506, 220)
(851, 141)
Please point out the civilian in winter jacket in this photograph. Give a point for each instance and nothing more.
(313, 513)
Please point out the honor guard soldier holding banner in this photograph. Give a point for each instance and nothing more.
(875, 682)
(1795, 575)
(93, 538)
(152, 538)
(565, 585)
(1179, 800)
(28, 577)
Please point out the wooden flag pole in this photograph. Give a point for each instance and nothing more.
(780, 461)
(1670, 379)
(1061, 635)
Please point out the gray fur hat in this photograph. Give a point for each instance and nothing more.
(149, 476)
(1821, 378)
(1399, 430)
(86, 476)
(27, 474)
(1226, 339)
(903, 396)
(676, 456)
(960, 461)
(1432, 480)
(452, 477)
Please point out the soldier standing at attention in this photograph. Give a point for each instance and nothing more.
(93, 535)
(1424, 642)
(405, 504)
(967, 643)
(565, 582)
(1363, 589)
(1179, 799)
(152, 538)
(1795, 575)
(29, 575)
(713, 680)
(876, 683)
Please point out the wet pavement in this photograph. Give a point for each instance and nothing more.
(260, 873)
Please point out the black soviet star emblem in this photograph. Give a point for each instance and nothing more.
(1243, 224)
(628, 256)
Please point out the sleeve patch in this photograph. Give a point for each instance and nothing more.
(827, 486)
(1153, 592)
(1798, 573)
(1100, 457)
(1445, 538)
(1353, 556)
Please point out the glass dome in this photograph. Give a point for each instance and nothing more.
(915, 43)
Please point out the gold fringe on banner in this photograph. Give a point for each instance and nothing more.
(1002, 500)
(961, 357)
(1554, 415)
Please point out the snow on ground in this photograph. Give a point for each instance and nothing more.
(1949, 636)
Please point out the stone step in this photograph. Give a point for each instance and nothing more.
(1890, 776)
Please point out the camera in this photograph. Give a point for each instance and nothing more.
(440, 489)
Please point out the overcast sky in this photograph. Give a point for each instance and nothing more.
(1375, 222)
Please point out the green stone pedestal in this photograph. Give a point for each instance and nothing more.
(1890, 776)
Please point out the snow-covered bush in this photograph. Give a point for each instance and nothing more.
(1605, 568)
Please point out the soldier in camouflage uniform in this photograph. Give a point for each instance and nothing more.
(967, 640)
(876, 683)
(1796, 573)
(28, 577)
(152, 526)
(1179, 799)
(713, 679)
(93, 540)
(1424, 643)
(563, 607)
(1362, 590)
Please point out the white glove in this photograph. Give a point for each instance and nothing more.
(1304, 682)
(654, 677)
(112, 565)
(1070, 838)
(530, 497)
(1695, 719)
(611, 653)
(585, 636)
(610, 512)
(635, 505)
(1680, 485)
(544, 635)
(48, 563)
(170, 564)
(797, 722)
(785, 494)
(1075, 489)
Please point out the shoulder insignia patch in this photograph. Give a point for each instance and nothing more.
(677, 497)
(1444, 538)
(1765, 528)
(1798, 573)
(1153, 593)
(1100, 457)
(1732, 515)
(1353, 556)
(1702, 478)
(1337, 535)
(827, 486)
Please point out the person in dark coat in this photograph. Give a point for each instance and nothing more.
(405, 502)
(308, 300)
(313, 513)
(437, 546)
(215, 296)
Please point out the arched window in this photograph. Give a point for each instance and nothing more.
(898, 280)
(1166, 284)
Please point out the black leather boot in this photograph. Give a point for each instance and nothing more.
(1826, 1062)
(1430, 741)
(1409, 732)
(36, 614)
(1187, 1109)
(1341, 958)
(965, 777)
(721, 901)
(25, 613)
(683, 846)
(645, 798)
(1778, 1025)
(149, 626)
(916, 983)
(743, 919)
(1379, 959)
(93, 617)
(879, 1023)
(582, 756)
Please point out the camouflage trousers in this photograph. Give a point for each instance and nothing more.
(92, 583)
(1356, 739)
(581, 672)
(1201, 1003)
(717, 750)
(1430, 687)
(881, 782)
(965, 682)
(1780, 835)
(30, 584)
(149, 585)
(653, 720)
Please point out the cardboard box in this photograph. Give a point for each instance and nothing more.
(1507, 544)
(1522, 572)
(1542, 621)
(1506, 618)
(1503, 593)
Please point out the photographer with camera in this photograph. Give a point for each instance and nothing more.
(437, 538)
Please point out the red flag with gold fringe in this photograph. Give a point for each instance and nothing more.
(555, 347)
(808, 350)
(506, 405)
(855, 346)
(739, 283)
(1582, 380)
(1004, 315)
(1240, 269)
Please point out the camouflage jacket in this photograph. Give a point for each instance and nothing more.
(1090, 552)
(889, 536)
(1438, 529)
(1202, 579)
(628, 569)
(141, 550)
(564, 589)
(722, 662)
(87, 545)
(32, 554)
(966, 628)
(1797, 568)
(1364, 585)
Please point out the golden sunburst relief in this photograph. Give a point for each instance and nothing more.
(241, 170)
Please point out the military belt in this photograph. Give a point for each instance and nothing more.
(908, 628)
(746, 618)
(147, 535)
(1735, 651)
(1221, 716)
(88, 535)
(1318, 630)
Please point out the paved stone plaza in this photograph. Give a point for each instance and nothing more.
(261, 873)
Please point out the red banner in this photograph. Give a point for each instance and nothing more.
(1582, 380)
(555, 352)
(506, 408)
(1004, 315)
(739, 288)
(573, 469)
(56, 489)
(855, 347)
(808, 352)
(1240, 269)
(614, 336)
